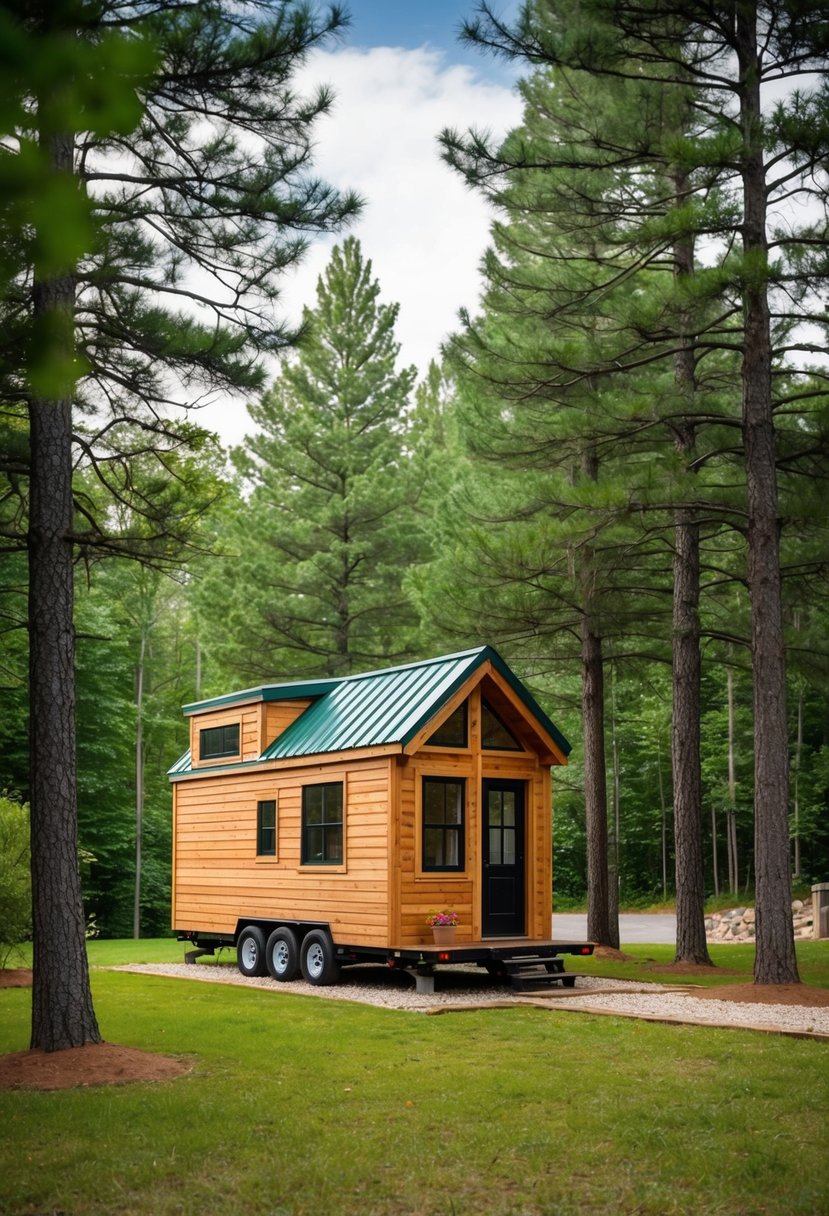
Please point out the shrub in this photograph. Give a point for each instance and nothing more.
(15, 878)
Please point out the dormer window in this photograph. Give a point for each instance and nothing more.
(218, 741)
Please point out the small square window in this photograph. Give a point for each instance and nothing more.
(218, 741)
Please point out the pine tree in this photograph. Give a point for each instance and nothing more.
(320, 550)
(141, 255)
(726, 56)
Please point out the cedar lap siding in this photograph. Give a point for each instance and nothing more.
(365, 862)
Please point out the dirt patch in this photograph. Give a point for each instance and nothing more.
(613, 956)
(94, 1064)
(16, 977)
(691, 969)
(768, 994)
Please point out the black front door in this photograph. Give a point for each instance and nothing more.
(503, 858)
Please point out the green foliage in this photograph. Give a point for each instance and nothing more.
(15, 878)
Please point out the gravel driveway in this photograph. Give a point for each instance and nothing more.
(466, 988)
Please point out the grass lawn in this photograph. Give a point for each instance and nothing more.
(734, 965)
(315, 1107)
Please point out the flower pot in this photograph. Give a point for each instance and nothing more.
(444, 934)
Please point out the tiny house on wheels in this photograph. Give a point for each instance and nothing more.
(318, 823)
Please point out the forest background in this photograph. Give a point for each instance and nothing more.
(529, 482)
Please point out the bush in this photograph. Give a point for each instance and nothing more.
(15, 878)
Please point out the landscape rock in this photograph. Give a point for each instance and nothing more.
(738, 924)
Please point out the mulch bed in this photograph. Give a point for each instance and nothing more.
(15, 977)
(94, 1064)
(768, 994)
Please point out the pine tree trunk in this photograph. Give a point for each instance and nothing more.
(775, 961)
(686, 662)
(139, 782)
(691, 945)
(599, 928)
(62, 1013)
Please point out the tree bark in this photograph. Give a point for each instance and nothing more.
(691, 944)
(775, 961)
(599, 927)
(62, 1012)
(139, 780)
(686, 664)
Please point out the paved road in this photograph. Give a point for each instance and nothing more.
(633, 928)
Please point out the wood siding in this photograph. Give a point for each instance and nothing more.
(421, 892)
(380, 895)
(218, 878)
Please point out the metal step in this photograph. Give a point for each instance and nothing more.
(531, 973)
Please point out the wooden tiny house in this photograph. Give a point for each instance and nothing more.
(354, 806)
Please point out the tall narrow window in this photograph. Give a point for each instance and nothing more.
(266, 829)
(218, 741)
(322, 824)
(443, 823)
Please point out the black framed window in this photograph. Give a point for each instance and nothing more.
(495, 736)
(453, 732)
(322, 824)
(266, 829)
(218, 741)
(443, 823)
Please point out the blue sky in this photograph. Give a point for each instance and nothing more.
(414, 23)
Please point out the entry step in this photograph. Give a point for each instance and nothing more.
(531, 973)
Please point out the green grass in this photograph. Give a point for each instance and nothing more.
(734, 965)
(302, 1106)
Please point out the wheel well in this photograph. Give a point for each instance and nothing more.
(267, 925)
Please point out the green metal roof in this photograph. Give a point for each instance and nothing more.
(375, 708)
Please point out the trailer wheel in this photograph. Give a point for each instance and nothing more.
(319, 966)
(250, 951)
(282, 954)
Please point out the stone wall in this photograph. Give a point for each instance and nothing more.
(737, 924)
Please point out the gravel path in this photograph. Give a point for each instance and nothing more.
(461, 988)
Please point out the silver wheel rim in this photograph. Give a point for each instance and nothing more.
(281, 957)
(249, 953)
(315, 959)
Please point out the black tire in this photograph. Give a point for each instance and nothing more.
(282, 955)
(250, 951)
(319, 966)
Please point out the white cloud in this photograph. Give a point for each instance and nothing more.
(424, 231)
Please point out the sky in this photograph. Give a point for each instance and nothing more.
(400, 76)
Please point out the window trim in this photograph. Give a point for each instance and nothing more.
(267, 854)
(458, 829)
(225, 752)
(304, 860)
